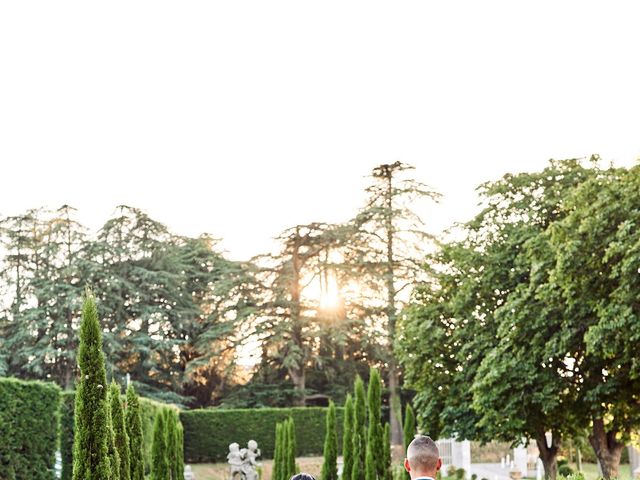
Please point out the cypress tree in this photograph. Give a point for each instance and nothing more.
(114, 455)
(387, 452)
(172, 443)
(134, 433)
(91, 431)
(180, 463)
(360, 417)
(375, 433)
(370, 470)
(291, 449)
(347, 439)
(159, 464)
(409, 431)
(330, 463)
(358, 465)
(277, 454)
(120, 433)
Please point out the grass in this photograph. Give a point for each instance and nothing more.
(590, 471)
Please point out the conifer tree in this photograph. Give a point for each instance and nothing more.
(172, 443)
(387, 475)
(160, 464)
(134, 433)
(91, 434)
(277, 454)
(180, 463)
(119, 431)
(114, 455)
(409, 431)
(291, 449)
(358, 465)
(329, 465)
(375, 432)
(347, 439)
(370, 470)
(360, 417)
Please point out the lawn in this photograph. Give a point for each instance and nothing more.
(590, 471)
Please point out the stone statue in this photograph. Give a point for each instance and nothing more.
(235, 461)
(243, 462)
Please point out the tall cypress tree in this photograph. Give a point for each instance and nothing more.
(347, 439)
(160, 464)
(291, 449)
(370, 469)
(134, 433)
(114, 455)
(409, 431)
(374, 438)
(360, 418)
(358, 465)
(180, 464)
(277, 454)
(119, 431)
(329, 465)
(172, 443)
(91, 435)
(387, 475)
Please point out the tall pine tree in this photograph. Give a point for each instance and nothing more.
(329, 465)
(134, 433)
(387, 475)
(359, 426)
(291, 448)
(92, 425)
(119, 431)
(409, 431)
(277, 454)
(347, 439)
(375, 432)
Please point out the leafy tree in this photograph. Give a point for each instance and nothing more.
(134, 434)
(159, 453)
(375, 431)
(409, 430)
(347, 439)
(386, 254)
(92, 426)
(120, 434)
(329, 465)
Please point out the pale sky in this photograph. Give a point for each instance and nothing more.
(243, 118)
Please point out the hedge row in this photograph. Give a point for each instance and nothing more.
(148, 409)
(208, 433)
(28, 429)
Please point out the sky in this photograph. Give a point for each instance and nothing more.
(244, 118)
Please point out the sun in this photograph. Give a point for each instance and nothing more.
(330, 294)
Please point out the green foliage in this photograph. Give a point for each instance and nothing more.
(387, 452)
(291, 448)
(114, 455)
(358, 472)
(370, 469)
(160, 461)
(67, 403)
(149, 410)
(564, 469)
(278, 456)
(347, 438)
(360, 416)
(330, 462)
(375, 431)
(173, 444)
(250, 424)
(460, 472)
(409, 431)
(28, 429)
(134, 434)
(92, 432)
(119, 431)
(180, 452)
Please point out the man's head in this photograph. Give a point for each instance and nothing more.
(423, 458)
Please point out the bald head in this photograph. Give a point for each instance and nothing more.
(423, 458)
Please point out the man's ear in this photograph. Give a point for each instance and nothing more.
(407, 467)
(439, 465)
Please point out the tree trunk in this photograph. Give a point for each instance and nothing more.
(548, 455)
(608, 450)
(579, 458)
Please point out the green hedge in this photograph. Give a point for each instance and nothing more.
(208, 433)
(29, 413)
(148, 409)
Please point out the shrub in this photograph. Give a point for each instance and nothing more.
(134, 433)
(160, 465)
(67, 407)
(329, 466)
(29, 413)
(474, 476)
(451, 471)
(460, 473)
(208, 432)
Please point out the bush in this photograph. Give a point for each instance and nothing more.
(460, 473)
(29, 413)
(451, 471)
(564, 470)
(208, 432)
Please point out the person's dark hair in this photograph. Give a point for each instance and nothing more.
(302, 476)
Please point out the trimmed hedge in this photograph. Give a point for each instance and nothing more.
(29, 416)
(148, 409)
(208, 432)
